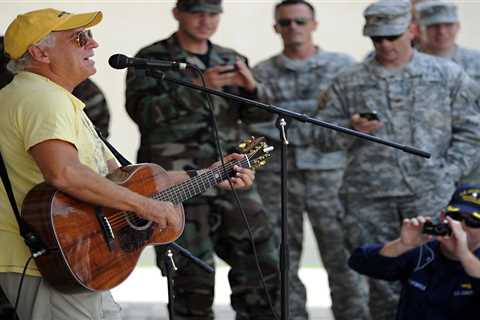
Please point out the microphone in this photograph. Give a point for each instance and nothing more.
(120, 61)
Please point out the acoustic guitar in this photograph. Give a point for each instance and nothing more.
(92, 248)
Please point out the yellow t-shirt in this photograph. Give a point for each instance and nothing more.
(34, 109)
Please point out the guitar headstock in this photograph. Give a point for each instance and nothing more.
(257, 150)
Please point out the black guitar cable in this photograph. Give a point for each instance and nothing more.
(19, 290)
(237, 199)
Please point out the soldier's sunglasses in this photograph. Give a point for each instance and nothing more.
(380, 39)
(81, 38)
(287, 22)
(472, 220)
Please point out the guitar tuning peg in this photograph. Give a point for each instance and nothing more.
(245, 145)
(267, 149)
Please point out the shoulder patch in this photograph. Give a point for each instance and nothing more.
(323, 100)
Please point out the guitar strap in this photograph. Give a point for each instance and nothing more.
(123, 161)
(31, 239)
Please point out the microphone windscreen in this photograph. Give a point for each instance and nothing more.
(118, 61)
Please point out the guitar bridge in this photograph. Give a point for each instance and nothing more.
(106, 228)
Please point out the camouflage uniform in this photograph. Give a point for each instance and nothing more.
(469, 60)
(313, 180)
(429, 103)
(438, 12)
(5, 75)
(176, 133)
(96, 106)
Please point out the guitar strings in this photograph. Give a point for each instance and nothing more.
(167, 194)
(118, 219)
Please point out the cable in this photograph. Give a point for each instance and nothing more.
(14, 315)
(237, 199)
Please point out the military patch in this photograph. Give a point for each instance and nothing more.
(323, 100)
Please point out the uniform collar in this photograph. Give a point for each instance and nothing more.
(303, 65)
(412, 68)
(176, 50)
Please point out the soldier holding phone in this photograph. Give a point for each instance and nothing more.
(177, 132)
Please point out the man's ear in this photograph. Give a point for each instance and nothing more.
(39, 54)
(175, 13)
(276, 28)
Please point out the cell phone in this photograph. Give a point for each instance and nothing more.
(370, 116)
(232, 68)
(439, 229)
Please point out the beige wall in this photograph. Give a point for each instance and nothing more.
(246, 26)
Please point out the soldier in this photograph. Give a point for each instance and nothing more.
(417, 36)
(176, 132)
(293, 79)
(5, 75)
(419, 100)
(440, 26)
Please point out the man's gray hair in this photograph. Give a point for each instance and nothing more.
(23, 62)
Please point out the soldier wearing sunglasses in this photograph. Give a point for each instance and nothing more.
(293, 79)
(419, 100)
(440, 276)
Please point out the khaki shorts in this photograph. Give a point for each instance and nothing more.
(39, 301)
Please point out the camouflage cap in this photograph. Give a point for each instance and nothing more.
(213, 6)
(387, 18)
(436, 11)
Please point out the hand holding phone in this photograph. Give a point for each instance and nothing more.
(228, 68)
(370, 116)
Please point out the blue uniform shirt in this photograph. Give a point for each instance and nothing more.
(434, 287)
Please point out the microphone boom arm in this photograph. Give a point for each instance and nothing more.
(290, 114)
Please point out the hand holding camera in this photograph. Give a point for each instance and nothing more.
(411, 235)
(439, 229)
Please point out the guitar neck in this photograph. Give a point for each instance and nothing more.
(201, 183)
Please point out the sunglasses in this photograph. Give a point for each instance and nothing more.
(81, 38)
(287, 22)
(472, 220)
(387, 38)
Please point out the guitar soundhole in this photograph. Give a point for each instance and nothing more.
(137, 223)
(131, 240)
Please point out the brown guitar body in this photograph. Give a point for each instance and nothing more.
(94, 248)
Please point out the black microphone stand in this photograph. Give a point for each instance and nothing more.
(170, 269)
(282, 125)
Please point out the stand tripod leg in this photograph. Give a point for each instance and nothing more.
(170, 269)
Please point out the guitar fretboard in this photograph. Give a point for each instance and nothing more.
(199, 184)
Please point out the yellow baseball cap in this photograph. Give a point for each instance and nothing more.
(31, 27)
